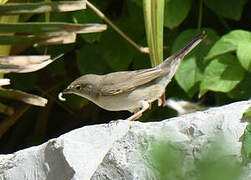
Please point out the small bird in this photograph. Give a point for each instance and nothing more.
(133, 91)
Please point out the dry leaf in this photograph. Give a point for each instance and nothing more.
(41, 7)
(23, 96)
(23, 64)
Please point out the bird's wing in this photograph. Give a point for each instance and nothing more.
(129, 80)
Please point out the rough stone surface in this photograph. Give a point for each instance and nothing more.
(119, 150)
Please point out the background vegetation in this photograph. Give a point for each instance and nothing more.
(216, 73)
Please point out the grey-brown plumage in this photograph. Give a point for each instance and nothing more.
(131, 90)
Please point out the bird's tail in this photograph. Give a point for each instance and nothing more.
(179, 55)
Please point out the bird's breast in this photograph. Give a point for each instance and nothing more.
(131, 100)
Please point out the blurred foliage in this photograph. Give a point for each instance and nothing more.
(168, 161)
(218, 70)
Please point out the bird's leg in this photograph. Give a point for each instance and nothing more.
(144, 107)
(162, 100)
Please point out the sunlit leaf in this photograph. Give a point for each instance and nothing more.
(229, 43)
(22, 96)
(50, 28)
(244, 55)
(222, 74)
(41, 7)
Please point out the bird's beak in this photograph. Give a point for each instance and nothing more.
(66, 91)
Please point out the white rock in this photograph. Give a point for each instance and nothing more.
(119, 150)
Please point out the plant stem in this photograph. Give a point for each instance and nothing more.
(200, 15)
(102, 16)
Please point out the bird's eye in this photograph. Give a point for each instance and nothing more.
(78, 87)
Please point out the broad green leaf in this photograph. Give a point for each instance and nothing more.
(189, 74)
(50, 28)
(117, 53)
(231, 9)
(134, 19)
(141, 61)
(175, 12)
(222, 74)
(237, 37)
(154, 22)
(22, 96)
(41, 7)
(189, 83)
(229, 43)
(243, 90)
(90, 61)
(219, 48)
(244, 55)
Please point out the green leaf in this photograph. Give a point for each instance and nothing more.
(175, 12)
(137, 2)
(90, 61)
(141, 61)
(229, 43)
(132, 22)
(247, 141)
(242, 91)
(231, 9)
(219, 48)
(237, 37)
(244, 55)
(117, 53)
(247, 114)
(154, 22)
(222, 74)
(41, 7)
(189, 74)
(87, 16)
